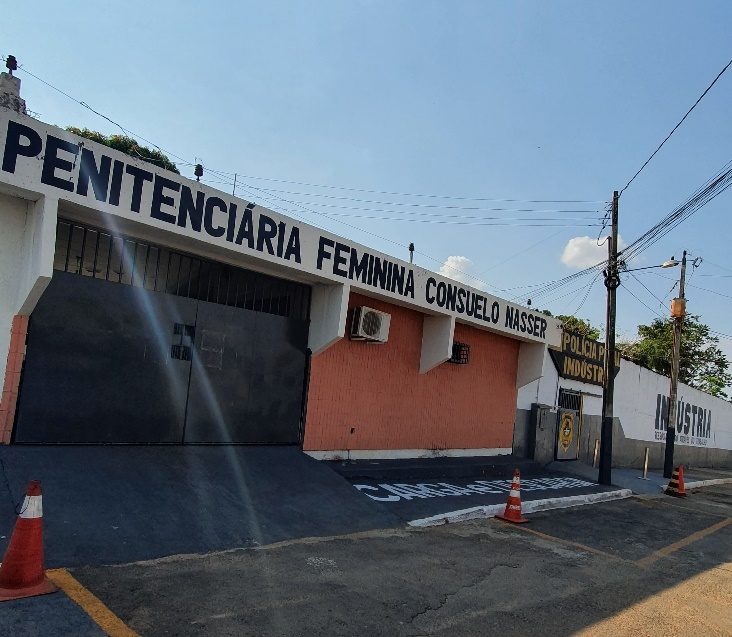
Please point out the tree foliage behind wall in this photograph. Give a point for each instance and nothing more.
(701, 363)
(575, 324)
(127, 145)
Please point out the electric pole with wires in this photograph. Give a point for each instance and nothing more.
(612, 281)
(678, 311)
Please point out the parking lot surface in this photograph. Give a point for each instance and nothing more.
(641, 566)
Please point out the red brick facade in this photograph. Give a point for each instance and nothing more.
(367, 396)
(13, 368)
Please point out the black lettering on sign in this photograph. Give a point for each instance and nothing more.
(98, 176)
(322, 252)
(246, 229)
(231, 224)
(213, 203)
(160, 199)
(21, 141)
(139, 176)
(339, 259)
(293, 245)
(116, 188)
(189, 210)
(52, 162)
(580, 358)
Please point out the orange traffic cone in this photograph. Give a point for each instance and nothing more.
(512, 512)
(21, 571)
(676, 486)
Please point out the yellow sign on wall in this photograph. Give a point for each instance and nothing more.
(566, 430)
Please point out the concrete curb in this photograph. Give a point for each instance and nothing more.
(530, 506)
(704, 483)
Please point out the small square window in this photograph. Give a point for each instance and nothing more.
(460, 353)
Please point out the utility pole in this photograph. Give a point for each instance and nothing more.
(612, 281)
(678, 311)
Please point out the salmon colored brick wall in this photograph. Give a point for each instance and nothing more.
(9, 399)
(378, 391)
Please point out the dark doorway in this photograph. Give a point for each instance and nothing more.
(134, 343)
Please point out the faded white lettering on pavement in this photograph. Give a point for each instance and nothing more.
(402, 491)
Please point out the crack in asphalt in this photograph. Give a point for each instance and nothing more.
(446, 596)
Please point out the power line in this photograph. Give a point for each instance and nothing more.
(711, 189)
(126, 131)
(696, 287)
(416, 205)
(660, 302)
(398, 194)
(673, 130)
(641, 302)
(347, 189)
(587, 294)
(716, 265)
(520, 252)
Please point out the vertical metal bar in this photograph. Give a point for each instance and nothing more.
(96, 254)
(228, 286)
(134, 264)
(157, 269)
(110, 249)
(595, 453)
(177, 276)
(190, 276)
(246, 290)
(80, 265)
(68, 248)
(121, 260)
(147, 258)
(218, 285)
(645, 465)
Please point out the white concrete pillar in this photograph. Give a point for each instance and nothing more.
(328, 309)
(530, 363)
(27, 243)
(437, 336)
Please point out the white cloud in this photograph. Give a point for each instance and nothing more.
(583, 252)
(459, 269)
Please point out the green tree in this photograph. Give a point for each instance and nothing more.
(701, 363)
(127, 145)
(574, 324)
(583, 326)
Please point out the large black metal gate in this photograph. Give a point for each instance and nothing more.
(135, 343)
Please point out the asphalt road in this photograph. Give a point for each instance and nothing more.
(641, 566)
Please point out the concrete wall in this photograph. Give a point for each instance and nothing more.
(369, 397)
(13, 215)
(702, 441)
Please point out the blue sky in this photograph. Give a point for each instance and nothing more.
(498, 100)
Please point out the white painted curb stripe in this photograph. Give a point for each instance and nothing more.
(704, 483)
(529, 506)
(32, 507)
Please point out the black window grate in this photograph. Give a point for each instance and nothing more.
(99, 254)
(460, 353)
(569, 400)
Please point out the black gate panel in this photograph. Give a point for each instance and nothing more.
(105, 363)
(247, 377)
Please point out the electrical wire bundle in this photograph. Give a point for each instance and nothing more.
(702, 196)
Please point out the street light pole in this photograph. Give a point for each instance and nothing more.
(612, 281)
(678, 310)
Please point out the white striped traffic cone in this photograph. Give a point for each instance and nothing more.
(21, 571)
(512, 512)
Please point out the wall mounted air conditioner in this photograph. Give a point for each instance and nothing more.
(370, 325)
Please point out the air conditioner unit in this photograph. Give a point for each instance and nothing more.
(370, 325)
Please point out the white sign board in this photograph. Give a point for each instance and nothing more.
(641, 404)
(47, 160)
